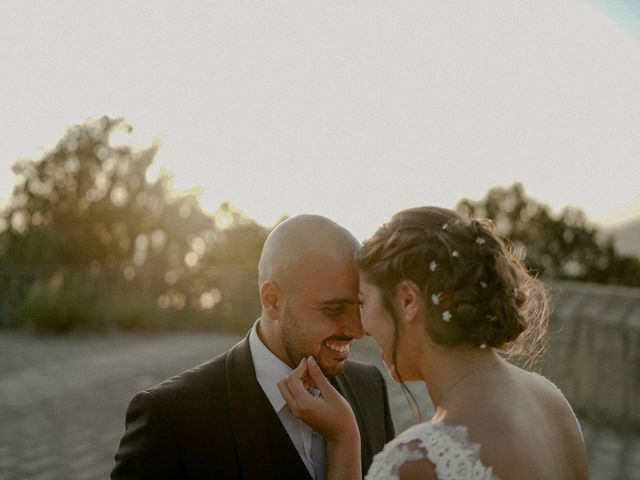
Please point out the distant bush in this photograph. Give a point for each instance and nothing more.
(59, 306)
(76, 299)
(67, 303)
(137, 311)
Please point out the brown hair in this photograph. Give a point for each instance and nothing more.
(475, 290)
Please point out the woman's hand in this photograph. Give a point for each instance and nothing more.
(329, 414)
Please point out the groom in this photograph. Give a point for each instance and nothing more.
(226, 418)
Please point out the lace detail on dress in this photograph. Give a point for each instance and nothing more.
(445, 446)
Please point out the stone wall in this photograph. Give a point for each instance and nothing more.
(594, 350)
(594, 343)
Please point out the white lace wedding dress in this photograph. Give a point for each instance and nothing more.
(446, 446)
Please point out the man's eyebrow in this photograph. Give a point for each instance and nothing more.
(339, 301)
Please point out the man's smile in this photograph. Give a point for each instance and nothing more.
(340, 347)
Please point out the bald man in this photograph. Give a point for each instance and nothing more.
(226, 418)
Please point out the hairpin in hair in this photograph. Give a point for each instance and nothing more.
(492, 318)
(480, 241)
(433, 266)
(483, 345)
(445, 226)
(436, 298)
(483, 284)
(515, 293)
(455, 253)
(446, 315)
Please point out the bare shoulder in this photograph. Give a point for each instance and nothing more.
(552, 398)
(421, 469)
(569, 427)
(524, 424)
(562, 433)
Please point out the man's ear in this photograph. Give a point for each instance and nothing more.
(271, 299)
(408, 301)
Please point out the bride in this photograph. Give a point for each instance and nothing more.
(441, 296)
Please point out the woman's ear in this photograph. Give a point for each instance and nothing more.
(270, 298)
(408, 301)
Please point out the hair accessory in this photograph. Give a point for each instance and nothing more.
(446, 315)
(436, 298)
(445, 226)
(480, 241)
(483, 345)
(492, 318)
(483, 284)
(515, 293)
(455, 253)
(433, 266)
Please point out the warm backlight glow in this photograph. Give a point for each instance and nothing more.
(353, 110)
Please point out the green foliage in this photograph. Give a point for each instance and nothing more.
(58, 306)
(87, 204)
(151, 261)
(72, 302)
(563, 246)
(238, 241)
(90, 201)
(134, 311)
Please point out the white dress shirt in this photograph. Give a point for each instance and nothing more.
(269, 371)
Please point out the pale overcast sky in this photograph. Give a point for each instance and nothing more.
(353, 110)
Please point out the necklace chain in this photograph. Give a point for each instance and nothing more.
(463, 377)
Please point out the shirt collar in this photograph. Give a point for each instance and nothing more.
(269, 369)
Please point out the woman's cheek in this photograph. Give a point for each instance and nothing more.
(367, 322)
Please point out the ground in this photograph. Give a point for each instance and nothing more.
(63, 399)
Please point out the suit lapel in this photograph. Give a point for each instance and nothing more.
(344, 386)
(247, 422)
(259, 436)
(246, 410)
(286, 460)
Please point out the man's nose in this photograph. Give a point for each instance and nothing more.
(352, 325)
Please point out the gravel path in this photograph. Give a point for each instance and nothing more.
(63, 399)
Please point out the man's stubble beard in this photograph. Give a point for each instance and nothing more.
(295, 344)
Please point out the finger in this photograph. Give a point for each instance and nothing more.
(296, 387)
(308, 381)
(286, 394)
(301, 370)
(318, 377)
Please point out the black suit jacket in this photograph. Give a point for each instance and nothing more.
(214, 421)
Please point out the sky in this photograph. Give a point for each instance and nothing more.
(353, 110)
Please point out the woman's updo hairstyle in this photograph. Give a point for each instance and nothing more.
(474, 288)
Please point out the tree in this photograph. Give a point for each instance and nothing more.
(89, 202)
(239, 239)
(563, 247)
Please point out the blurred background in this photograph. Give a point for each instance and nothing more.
(148, 149)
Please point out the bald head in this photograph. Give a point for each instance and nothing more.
(295, 241)
(309, 292)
